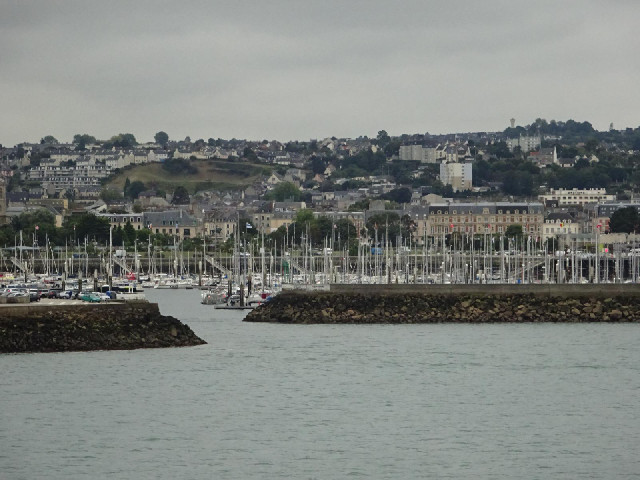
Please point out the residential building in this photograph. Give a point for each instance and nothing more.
(419, 153)
(544, 157)
(525, 142)
(177, 222)
(412, 152)
(560, 223)
(171, 222)
(489, 217)
(220, 224)
(122, 219)
(561, 196)
(458, 175)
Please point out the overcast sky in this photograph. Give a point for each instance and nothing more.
(287, 70)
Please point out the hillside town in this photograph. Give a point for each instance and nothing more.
(564, 181)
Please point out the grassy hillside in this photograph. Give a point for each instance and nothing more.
(206, 174)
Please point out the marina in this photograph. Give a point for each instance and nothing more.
(445, 259)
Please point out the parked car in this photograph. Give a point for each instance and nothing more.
(90, 297)
(103, 297)
(34, 295)
(19, 292)
(43, 293)
(53, 293)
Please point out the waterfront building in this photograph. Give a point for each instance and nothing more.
(219, 224)
(561, 196)
(560, 223)
(171, 222)
(486, 217)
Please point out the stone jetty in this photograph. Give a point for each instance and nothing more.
(115, 326)
(454, 304)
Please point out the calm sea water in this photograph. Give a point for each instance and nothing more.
(326, 402)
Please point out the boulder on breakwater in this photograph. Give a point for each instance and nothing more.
(117, 326)
(484, 305)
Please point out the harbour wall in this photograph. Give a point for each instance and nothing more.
(117, 326)
(454, 304)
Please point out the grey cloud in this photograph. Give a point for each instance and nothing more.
(290, 69)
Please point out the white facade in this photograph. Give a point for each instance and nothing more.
(418, 152)
(554, 227)
(526, 143)
(411, 152)
(576, 196)
(458, 175)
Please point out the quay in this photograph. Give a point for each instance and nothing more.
(454, 304)
(64, 325)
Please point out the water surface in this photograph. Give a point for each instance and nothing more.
(329, 401)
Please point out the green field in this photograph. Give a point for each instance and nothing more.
(211, 174)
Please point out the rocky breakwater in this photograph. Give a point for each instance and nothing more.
(118, 326)
(412, 307)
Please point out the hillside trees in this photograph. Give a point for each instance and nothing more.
(82, 140)
(625, 220)
(364, 163)
(122, 140)
(179, 166)
(133, 189)
(49, 140)
(161, 138)
(284, 191)
(180, 196)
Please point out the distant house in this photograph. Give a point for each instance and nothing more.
(288, 206)
(295, 176)
(544, 157)
(274, 179)
(567, 162)
(330, 170)
(150, 199)
(560, 223)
